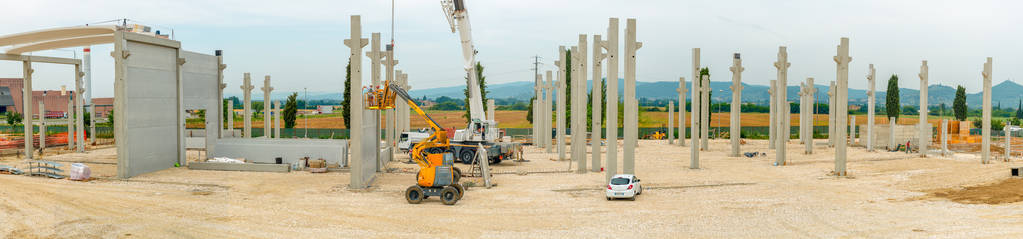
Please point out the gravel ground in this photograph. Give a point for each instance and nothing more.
(886, 195)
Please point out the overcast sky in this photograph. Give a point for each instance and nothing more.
(299, 43)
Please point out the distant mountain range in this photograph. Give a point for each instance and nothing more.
(1007, 93)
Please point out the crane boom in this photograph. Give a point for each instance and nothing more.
(458, 18)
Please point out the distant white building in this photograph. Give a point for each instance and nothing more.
(324, 109)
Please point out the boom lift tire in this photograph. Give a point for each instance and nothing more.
(461, 190)
(456, 175)
(449, 195)
(414, 194)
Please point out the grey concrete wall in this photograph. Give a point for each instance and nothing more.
(370, 145)
(903, 133)
(200, 90)
(263, 150)
(147, 106)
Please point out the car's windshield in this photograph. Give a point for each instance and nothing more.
(619, 181)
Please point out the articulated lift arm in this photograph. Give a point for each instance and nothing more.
(439, 138)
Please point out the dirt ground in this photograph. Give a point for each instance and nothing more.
(886, 195)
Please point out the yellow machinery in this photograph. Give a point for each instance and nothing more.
(437, 175)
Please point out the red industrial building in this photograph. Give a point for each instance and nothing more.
(56, 104)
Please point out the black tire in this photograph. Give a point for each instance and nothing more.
(467, 156)
(609, 198)
(414, 195)
(449, 195)
(495, 160)
(456, 175)
(461, 190)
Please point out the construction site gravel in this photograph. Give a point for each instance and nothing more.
(886, 195)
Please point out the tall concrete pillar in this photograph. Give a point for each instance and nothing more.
(696, 107)
(70, 124)
(376, 58)
(891, 133)
(682, 90)
(696, 125)
(579, 61)
(230, 117)
(802, 113)
(705, 111)
(842, 112)
(852, 129)
(538, 99)
(266, 107)
(548, 103)
(944, 137)
(832, 107)
(277, 119)
(694, 117)
(491, 108)
(734, 124)
(560, 111)
(389, 72)
(80, 110)
(870, 109)
(923, 130)
(406, 115)
(783, 107)
(809, 91)
(773, 112)
(985, 146)
(42, 125)
(631, 104)
(355, 44)
(611, 45)
(26, 105)
(1008, 147)
(671, 123)
(247, 105)
(596, 91)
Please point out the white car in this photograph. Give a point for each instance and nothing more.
(623, 186)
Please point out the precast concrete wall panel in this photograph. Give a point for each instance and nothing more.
(200, 90)
(262, 150)
(370, 143)
(150, 134)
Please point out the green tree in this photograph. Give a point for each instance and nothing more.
(346, 105)
(892, 99)
(1019, 109)
(529, 114)
(13, 118)
(226, 118)
(568, 87)
(482, 81)
(290, 110)
(959, 104)
(110, 117)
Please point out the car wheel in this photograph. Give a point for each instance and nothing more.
(609, 198)
(633, 198)
(468, 156)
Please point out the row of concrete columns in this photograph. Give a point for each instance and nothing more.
(77, 127)
(271, 126)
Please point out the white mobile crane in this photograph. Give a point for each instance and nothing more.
(480, 129)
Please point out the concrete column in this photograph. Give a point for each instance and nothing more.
(596, 91)
(802, 113)
(538, 93)
(671, 123)
(406, 116)
(870, 109)
(944, 137)
(611, 45)
(923, 130)
(783, 108)
(560, 111)
(809, 92)
(266, 107)
(1008, 149)
(277, 119)
(773, 112)
(705, 111)
(682, 90)
(355, 43)
(80, 110)
(891, 133)
(230, 118)
(985, 146)
(631, 104)
(247, 105)
(26, 105)
(852, 130)
(548, 103)
(490, 111)
(734, 125)
(389, 72)
(696, 107)
(376, 58)
(579, 62)
(42, 125)
(841, 111)
(70, 124)
(831, 114)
